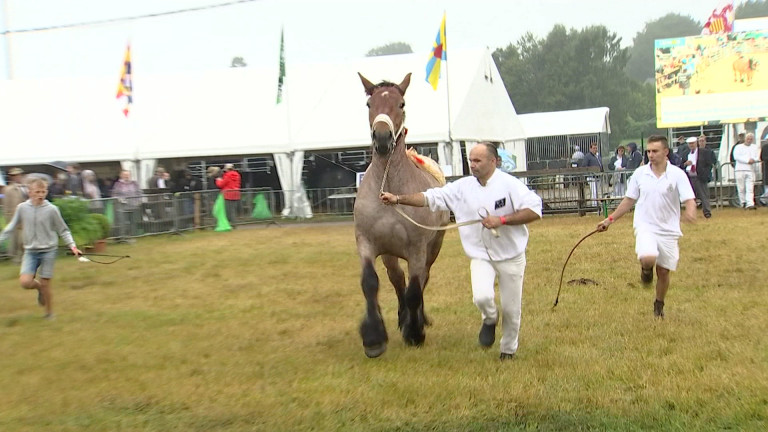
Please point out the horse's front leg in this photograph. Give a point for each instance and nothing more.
(372, 328)
(397, 279)
(413, 326)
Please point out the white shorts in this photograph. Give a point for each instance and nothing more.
(664, 249)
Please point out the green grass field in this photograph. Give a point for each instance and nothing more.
(256, 330)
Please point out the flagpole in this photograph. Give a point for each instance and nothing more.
(447, 82)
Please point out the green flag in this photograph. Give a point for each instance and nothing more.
(281, 77)
(220, 213)
(109, 212)
(260, 207)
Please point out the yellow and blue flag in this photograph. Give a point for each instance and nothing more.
(437, 57)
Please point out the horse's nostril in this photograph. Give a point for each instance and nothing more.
(381, 135)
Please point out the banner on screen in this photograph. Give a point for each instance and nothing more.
(708, 79)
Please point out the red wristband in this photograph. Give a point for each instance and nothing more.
(610, 218)
(503, 220)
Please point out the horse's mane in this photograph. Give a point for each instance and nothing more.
(388, 85)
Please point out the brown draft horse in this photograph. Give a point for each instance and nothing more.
(744, 68)
(380, 231)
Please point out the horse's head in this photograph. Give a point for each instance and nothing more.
(386, 112)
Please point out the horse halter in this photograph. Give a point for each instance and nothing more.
(384, 118)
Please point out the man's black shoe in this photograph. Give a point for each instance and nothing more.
(646, 275)
(506, 356)
(658, 309)
(487, 335)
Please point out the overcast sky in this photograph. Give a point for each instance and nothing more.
(315, 30)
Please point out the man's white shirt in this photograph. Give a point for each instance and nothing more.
(503, 194)
(658, 199)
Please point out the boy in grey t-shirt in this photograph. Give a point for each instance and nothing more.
(43, 225)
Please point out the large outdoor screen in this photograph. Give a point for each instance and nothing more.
(712, 79)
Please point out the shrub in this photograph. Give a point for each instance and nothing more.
(85, 228)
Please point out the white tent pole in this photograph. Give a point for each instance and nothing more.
(8, 42)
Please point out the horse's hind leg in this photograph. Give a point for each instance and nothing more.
(372, 328)
(397, 278)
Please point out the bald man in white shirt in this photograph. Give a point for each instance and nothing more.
(509, 205)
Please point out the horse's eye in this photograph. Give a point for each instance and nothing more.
(368, 104)
(402, 105)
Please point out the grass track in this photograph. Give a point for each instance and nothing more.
(256, 329)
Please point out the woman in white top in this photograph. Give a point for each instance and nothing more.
(618, 164)
(91, 189)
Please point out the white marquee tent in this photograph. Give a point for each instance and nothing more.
(551, 137)
(233, 112)
(572, 122)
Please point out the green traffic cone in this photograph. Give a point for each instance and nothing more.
(220, 213)
(260, 207)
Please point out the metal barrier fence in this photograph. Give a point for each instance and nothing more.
(168, 213)
(562, 191)
(727, 193)
(572, 191)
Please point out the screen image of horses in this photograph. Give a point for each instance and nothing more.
(711, 78)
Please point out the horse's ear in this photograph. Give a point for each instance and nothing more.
(369, 86)
(404, 85)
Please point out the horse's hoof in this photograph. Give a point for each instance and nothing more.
(414, 340)
(376, 350)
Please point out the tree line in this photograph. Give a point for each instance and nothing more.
(585, 68)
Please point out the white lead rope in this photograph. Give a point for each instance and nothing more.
(450, 226)
(436, 228)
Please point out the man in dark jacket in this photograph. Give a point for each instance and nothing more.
(634, 157)
(592, 159)
(697, 162)
(185, 189)
(74, 180)
(681, 146)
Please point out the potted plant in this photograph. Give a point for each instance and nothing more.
(101, 243)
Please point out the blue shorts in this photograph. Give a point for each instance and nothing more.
(38, 261)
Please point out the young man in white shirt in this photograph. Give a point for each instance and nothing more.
(505, 205)
(658, 188)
